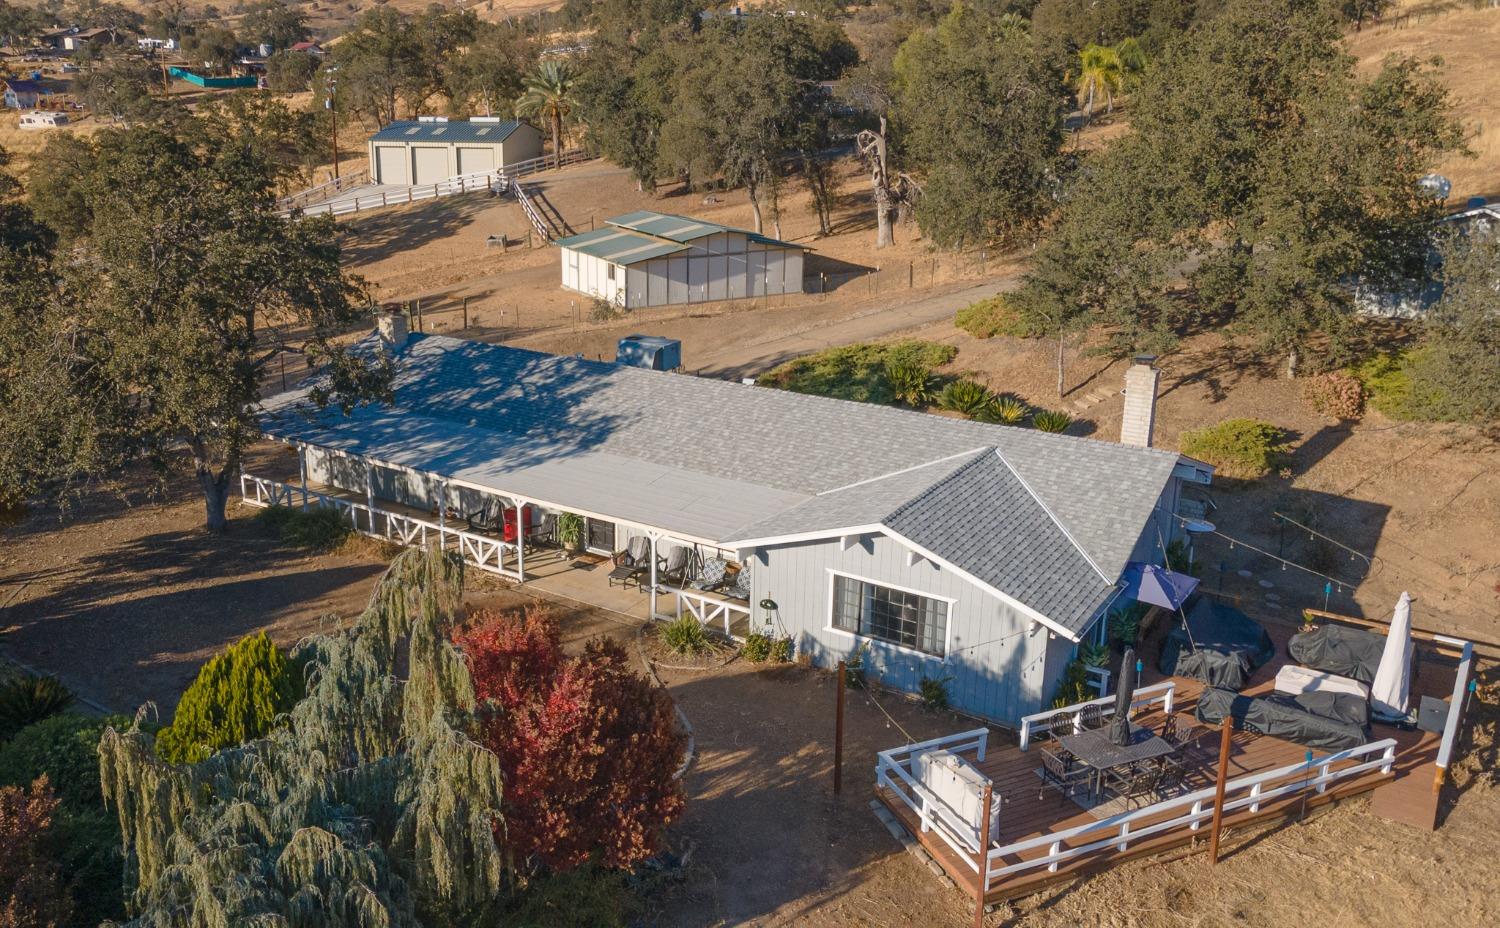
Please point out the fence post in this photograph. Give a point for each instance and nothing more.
(982, 884)
(466, 313)
(911, 280)
(1220, 781)
(838, 734)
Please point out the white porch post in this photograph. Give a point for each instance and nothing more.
(442, 512)
(653, 576)
(302, 472)
(370, 492)
(521, 528)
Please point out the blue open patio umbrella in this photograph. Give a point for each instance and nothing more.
(1157, 586)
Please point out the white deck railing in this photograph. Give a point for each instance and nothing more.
(1164, 693)
(488, 554)
(1456, 703)
(708, 610)
(1118, 832)
(894, 771)
(465, 183)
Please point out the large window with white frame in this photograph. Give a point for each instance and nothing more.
(900, 617)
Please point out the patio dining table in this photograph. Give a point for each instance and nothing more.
(1095, 750)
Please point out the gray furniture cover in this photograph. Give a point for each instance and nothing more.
(1331, 721)
(1230, 645)
(1338, 649)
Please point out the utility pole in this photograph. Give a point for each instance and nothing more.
(333, 112)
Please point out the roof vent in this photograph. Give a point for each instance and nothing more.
(484, 119)
(432, 119)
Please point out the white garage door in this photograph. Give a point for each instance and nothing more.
(390, 164)
(432, 165)
(474, 159)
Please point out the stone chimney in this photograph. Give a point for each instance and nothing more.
(393, 331)
(1140, 402)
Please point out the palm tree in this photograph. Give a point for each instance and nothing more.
(1133, 61)
(1100, 73)
(549, 96)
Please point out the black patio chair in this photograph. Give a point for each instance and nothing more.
(633, 563)
(1090, 717)
(1052, 728)
(677, 566)
(544, 533)
(1135, 784)
(489, 517)
(1059, 773)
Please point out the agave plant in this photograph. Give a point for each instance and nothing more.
(30, 698)
(910, 381)
(965, 396)
(1006, 410)
(1051, 420)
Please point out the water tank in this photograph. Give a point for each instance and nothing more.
(652, 352)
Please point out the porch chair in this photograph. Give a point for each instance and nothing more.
(1059, 773)
(544, 533)
(710, 575)
(1051, 729)
(1135, 784)
(489, 517)
(677, 566)
(1090, 717)
(739, 585)
(632, 563)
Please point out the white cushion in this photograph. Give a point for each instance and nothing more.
(1295, 680)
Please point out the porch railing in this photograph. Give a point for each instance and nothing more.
(709, 610)
(1249, 793)
(895, 771)
(488, 554)
(1163, 693)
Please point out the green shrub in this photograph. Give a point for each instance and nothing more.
(781, 650)
(1125, 623)
(854, 372)
(29, 698)
(65, 747)
(1177, 559)
(1049, 420)
(1336, 393)
(969, 397)
(1074, 686)
(317, 528)
(1403, 386)
(685, 635)
(934, 693)
(238, 696)
(909, 380)
(757, 648)
(590, 896)
(854, 671)
(1006, 410)
(1243, 448)
(991, 317)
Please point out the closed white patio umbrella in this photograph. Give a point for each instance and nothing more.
(1391, 688)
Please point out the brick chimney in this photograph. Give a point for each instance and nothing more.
(392, 330)
(1140, 402)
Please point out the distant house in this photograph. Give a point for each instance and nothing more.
(648, 258)
(22, 95)
(431, 149)
(146, 44)
(43, 119)
(311, 48)
(1412, 298)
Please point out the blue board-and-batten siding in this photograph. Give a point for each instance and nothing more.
(994, 667)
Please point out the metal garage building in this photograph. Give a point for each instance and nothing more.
(433, 149)
(648, 258)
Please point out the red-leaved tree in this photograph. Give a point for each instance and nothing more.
(31, 888)
(588, 748)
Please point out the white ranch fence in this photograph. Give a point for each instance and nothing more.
(326, 189)
(488, 554)
(1457, 704)
(895, 770)
(1072, 716)
(709, 610)
(1118, 832)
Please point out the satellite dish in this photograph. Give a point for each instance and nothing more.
(1198, 526)
(1436, 186)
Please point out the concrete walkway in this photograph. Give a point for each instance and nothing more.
(753, 357)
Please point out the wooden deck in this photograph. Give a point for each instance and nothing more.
(1025, 813)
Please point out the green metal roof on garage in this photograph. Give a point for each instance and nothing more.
(620, 246)
(456, 131)
(684, 229)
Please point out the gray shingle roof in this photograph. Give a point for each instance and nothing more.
(785, 462)
(456, 131)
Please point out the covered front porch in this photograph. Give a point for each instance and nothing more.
(636, 570)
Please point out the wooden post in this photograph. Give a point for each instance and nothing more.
(1219, 784)
(1437, 780)
(838, 734)
(466, 313)
(984, 856)
(419, 314)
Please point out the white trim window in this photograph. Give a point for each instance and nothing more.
(900, 617)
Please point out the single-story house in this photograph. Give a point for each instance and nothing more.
(648, 258)
(43, 119)
(433, 149)
(931, 547)
(311, 48)
(22, 95)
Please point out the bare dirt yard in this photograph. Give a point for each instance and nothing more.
(126, 600)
